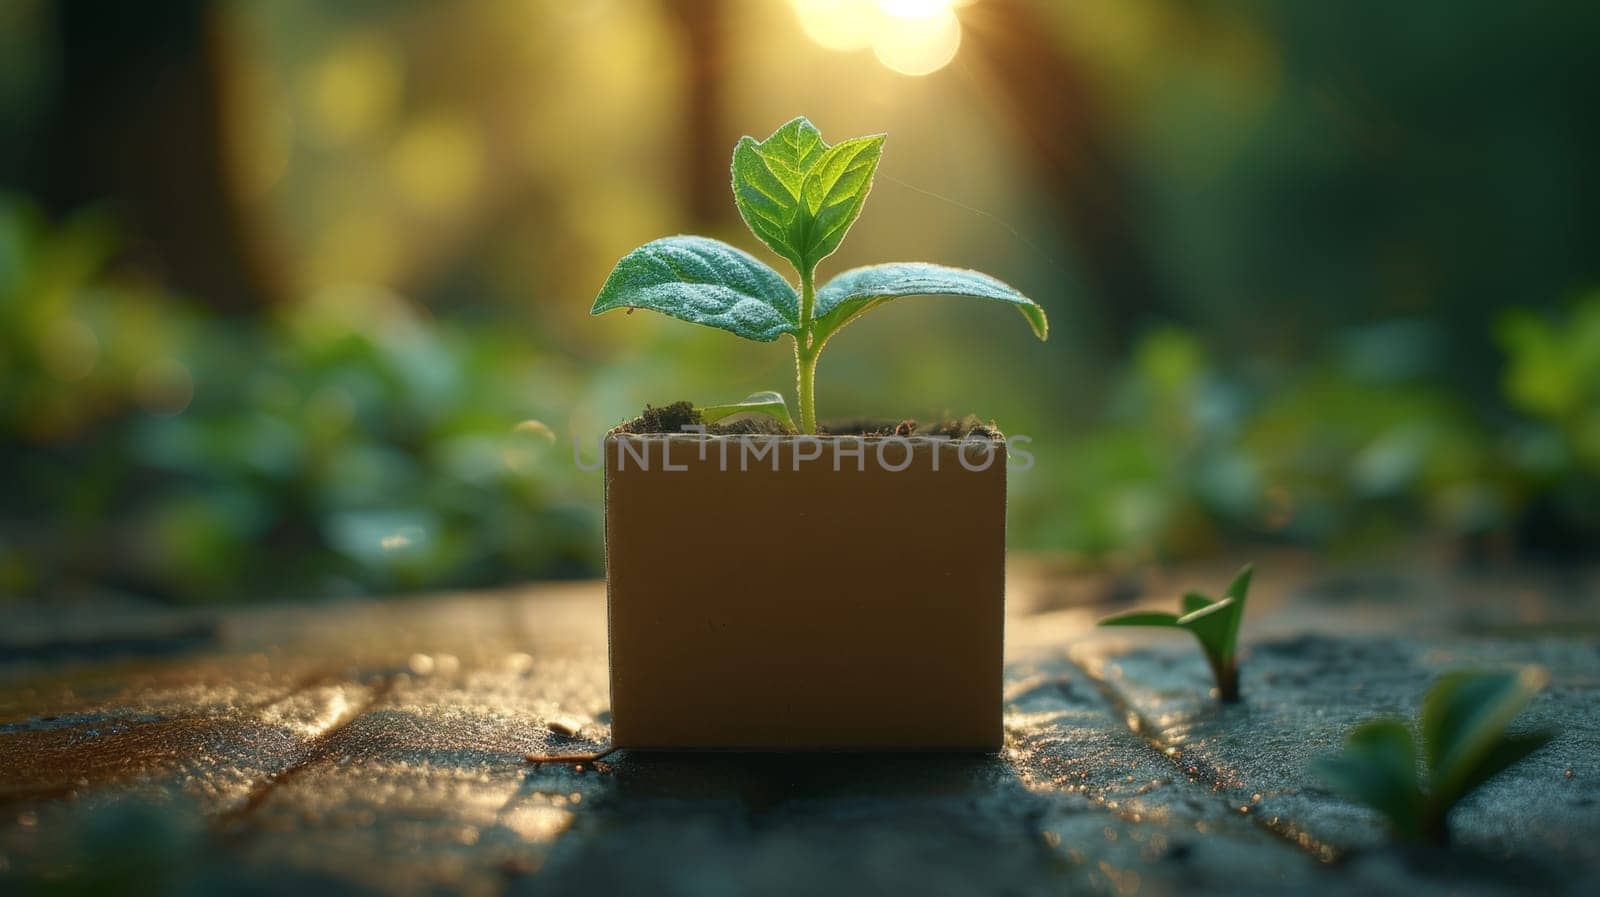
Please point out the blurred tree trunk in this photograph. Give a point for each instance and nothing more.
(1052, 107)
(705, 141)
(139, 125)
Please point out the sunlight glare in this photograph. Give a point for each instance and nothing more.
(838, 24)
(912, 37)
(915, 9)
(919, 46)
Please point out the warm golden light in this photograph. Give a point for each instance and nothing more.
(838, 24)
(354, 92)
(437, 163)
(916, 9)
(912, 37)
(919, 46)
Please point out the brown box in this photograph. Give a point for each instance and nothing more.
(805, 593)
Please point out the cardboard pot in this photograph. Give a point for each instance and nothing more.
(805, 593)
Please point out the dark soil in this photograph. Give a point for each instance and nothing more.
(971, 425)
(666, 419)
(674, 417)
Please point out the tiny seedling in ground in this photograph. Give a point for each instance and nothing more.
(766, 402)
(1464, 744)
(1214, 622)
(799, 195)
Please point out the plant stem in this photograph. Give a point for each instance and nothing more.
(805, 354)
(1226, 672)
(1435, 827)
(806, 369)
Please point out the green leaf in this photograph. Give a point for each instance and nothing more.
(791, 152)
(1505, 753)
(834, 191)
(766, 402)
(1193, 601)
(1464, 717)
(800, 195)
(1216, 626)
(1238, 590)
(764, 200)
(1378, 767)
(1141, 618)
(858, 290)
(1240, 586)
(703, 281)
(768, 179)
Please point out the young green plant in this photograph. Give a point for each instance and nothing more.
(799, 195)
(1214, 622)
(1464, 744)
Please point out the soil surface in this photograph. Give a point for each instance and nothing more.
(971, 425)
(674, 417)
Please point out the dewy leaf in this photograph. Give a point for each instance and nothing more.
(1464, 717)
(766, 402)
(703, 281)
(1378, 767)
(854, 292)
(834, 191)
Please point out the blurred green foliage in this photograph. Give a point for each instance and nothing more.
(1553, 381)
(348, 443)
(344, 444)
(1362, 447)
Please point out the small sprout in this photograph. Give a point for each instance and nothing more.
(1464, 744)
(800, 196)
(1214, 622)
(767, 402)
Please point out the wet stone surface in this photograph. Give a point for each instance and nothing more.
(378, 748)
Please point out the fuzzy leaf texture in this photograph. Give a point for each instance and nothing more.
(800, 195)
(857, 291)
(703, 281)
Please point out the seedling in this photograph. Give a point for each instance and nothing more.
(1464, 717)
(766, 402)
(799, 195)
(1214, 622)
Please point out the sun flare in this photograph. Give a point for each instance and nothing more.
(912, 37)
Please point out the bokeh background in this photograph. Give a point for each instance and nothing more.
(279, 281)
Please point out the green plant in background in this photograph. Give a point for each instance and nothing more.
(1464, 744)
(1552, 376)
(1214, 622)
(1553, 373)
(800, 196)
(344, 442)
